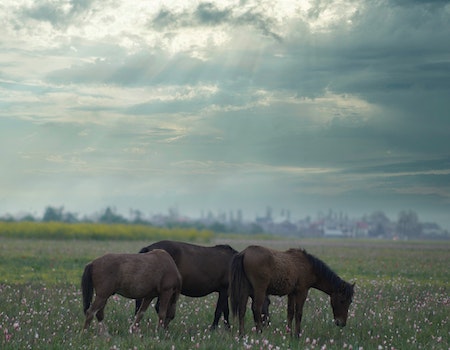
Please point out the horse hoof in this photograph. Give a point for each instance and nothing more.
(134, 329)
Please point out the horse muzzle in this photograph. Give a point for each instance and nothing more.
(339, 323)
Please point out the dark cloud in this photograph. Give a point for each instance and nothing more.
(210, 15)
(57, 13)
(386, 49)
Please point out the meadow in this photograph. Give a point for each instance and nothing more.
(401, 300)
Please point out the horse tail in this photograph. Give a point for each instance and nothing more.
(239, 283)
(87, 287)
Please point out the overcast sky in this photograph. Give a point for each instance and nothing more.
(226, 105)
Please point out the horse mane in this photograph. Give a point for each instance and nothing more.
(320, 268)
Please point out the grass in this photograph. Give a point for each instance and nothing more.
(401, 301)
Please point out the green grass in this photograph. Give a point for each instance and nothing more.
(401, 301)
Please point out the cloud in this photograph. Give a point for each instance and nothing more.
(208, 14)
(59, 14)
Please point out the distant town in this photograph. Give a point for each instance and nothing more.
(327, 224)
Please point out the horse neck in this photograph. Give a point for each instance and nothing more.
(325, 285)
(327, 280)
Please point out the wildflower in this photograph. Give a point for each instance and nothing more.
(7, 335)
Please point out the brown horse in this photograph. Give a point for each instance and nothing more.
(143, 276)
(204, 270)
(259, 271)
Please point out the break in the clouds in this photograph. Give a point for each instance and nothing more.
(306, 105)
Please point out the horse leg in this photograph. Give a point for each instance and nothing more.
(138, 305)
(164, 301)
(265, 311)
(242, 308)
(157, 305)
(96, 309)
(102, 330)
(221, 307)
(225, 308)
(145, 303)
(171, 310)
(299, 302)
(257, 304)
(290, 311)
(217, 314)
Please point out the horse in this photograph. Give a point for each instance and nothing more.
(144, 276)
(258, 271)
(204, 270)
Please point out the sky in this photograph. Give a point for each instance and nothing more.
(225, 105)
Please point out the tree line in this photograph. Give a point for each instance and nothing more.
(378, 225)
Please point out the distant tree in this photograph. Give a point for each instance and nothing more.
(111, 217)
(255, 229)
(28, 217)
(7, 218)
(53, 214)
(137, 217)
(379, 224)
(70, 217)
(218, 227)
(56, 214)
(408, 224)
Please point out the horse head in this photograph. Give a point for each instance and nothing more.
(340, 302)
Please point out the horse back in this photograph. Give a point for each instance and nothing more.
(195, 254)
(203, 269)
(276, 272)
(134, 275)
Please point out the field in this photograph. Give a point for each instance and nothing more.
(401, 301)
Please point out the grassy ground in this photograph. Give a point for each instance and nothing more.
(401, 301)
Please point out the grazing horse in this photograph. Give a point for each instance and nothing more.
(144, 276)
(259, 271)
(204, 270)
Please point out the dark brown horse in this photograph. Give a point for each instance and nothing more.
(204, 270)
(133, 276)
(259, 271)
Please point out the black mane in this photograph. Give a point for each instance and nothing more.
(322, 269)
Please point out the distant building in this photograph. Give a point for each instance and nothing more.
(333, 232)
